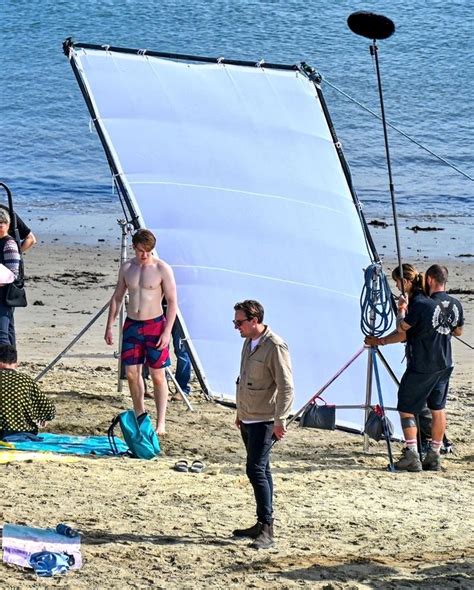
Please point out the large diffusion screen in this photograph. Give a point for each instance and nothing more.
(235, 170)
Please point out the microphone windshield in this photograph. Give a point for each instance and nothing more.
(371, 25)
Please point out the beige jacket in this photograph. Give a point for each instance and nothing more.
(265, 384)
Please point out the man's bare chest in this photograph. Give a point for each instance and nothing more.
(147, 277)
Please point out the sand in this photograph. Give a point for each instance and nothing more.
(342, 520)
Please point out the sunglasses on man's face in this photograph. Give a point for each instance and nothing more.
(238, 323)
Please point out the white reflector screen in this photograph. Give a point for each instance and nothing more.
(235, 170)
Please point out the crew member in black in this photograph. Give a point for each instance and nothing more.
(427, 329)
(428, 325)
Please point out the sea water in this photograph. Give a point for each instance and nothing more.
(55, 166)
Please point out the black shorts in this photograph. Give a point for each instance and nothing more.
(419, 389)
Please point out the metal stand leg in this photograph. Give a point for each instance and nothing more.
(388, 367)
(368, 395)
(326, 385)
(371, 369)
(384, 416)
(71, 344)
(370, 359)
(178, 389)
(126, 229)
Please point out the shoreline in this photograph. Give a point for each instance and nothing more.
(439, 235)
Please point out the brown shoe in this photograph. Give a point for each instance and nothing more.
(265, 538)
(410, 461)
(252, 532)
(432, 461)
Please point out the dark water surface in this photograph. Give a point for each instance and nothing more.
(50, 159)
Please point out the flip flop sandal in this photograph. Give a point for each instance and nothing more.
(181, 465)
(197, 466)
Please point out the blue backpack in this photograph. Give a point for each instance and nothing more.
(138, 433)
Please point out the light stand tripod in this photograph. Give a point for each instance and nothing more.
(374, 352)
(91, 322)
(378, 319)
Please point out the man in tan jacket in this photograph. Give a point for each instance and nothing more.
(264, 401)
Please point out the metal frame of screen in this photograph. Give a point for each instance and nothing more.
(69, 49)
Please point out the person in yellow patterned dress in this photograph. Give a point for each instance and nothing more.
(23, 407)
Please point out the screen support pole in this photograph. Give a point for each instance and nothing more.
(374, 53)
(126, 229)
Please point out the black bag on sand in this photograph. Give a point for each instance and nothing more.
(15, 295)
(374, 424)
(323, 416)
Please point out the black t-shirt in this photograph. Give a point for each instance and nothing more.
(449, 313)
(23, 229)
(432, 321)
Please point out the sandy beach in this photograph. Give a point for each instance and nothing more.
(342, 520)
(193, 139)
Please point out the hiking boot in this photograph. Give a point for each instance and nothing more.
(252, 532)
(425, 447)
(432, 461)
(410, 461)
(264, 539)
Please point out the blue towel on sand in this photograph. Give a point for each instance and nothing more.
(70, 444)
(20, 542)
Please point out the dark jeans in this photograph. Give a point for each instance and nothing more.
(258, 442)
(183, 362)
(7, 325)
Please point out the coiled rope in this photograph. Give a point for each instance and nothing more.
(376, 309)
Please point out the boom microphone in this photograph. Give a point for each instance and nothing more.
(371, 25)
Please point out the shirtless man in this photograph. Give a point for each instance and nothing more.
(146, 331)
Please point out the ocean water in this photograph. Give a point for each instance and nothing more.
(53, 164)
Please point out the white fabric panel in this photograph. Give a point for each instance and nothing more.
(235, 170)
